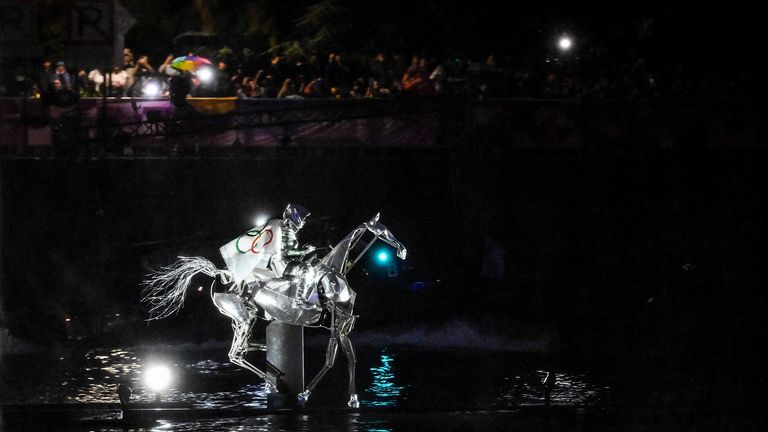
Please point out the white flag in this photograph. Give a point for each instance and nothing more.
(248, 256)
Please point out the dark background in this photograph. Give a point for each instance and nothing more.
(640, 260)
(644, 262)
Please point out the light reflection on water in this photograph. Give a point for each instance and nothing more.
(388, 377)
(300, 423)
(569, 389)
(383, 387)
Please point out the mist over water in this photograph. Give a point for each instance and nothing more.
(458, 334)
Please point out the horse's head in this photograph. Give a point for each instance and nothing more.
(378, 229)
(338, 258)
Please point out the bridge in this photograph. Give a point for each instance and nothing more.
(117, 128)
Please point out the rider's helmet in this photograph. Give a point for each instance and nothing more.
(294, 216)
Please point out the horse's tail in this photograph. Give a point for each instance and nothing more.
(165, 289)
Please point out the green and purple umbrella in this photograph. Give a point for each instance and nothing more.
(190, 63)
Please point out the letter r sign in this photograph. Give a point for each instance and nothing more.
(92, 22)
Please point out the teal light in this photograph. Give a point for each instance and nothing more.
(384, 390)
(383, 256)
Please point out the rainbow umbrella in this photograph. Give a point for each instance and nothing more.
(189, 63)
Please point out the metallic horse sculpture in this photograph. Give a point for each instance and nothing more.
(301, 290)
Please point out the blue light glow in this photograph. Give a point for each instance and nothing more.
(383, 256)
(383, 388)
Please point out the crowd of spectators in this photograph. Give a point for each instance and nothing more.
(341, 75)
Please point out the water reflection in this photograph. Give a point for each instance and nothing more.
(102, 371)
(569, 389)
(298, 423)
(383, 388)
(389, 377)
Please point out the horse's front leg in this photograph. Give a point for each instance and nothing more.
(349, 351)
(330, 358)
(240, 347)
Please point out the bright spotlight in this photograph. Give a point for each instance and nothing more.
(383, 256)
(205, 75)
(260, 220)
(151, 89)
(565, 43)
(157, 378)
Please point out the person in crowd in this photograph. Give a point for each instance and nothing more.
(61, 74)
(59, 94)
(315, 88)
(179, 87)
(45, 77)
(377, 68)
(376, 90)
(90, 91)
(118, 84)
(128, 61)
(358, 89)
(415, 80)
(269, 89)
(81, 79)
(129, 66)
(276, 67)
(222, 80)
(336, 74)
(288, 90)
(250, 89)
(166, 64)
(235, 81)
(97, 78)
(142, 72)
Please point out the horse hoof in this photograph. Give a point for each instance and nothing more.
(269, 387)
(353, 402)
(303, 397)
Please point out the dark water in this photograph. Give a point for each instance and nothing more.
(387, 377)
(435, 386)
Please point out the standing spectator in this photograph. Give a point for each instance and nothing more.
(415, 80)
(128, 62)
(179, 87)
(269, 90)
(46, 77)
(166, 64)
(59, 94)
(129, 66)
(250, 89)
(142, 72)
(314, 88)
(288, 90)
(118, 82)
(275, 67)
(61, 74)
(336, 74)
(378, 68)
(223, 82)
(81, 81)
(95, 76)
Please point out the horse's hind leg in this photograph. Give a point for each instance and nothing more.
(346, 346)
(240, 347)
(345, 327)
